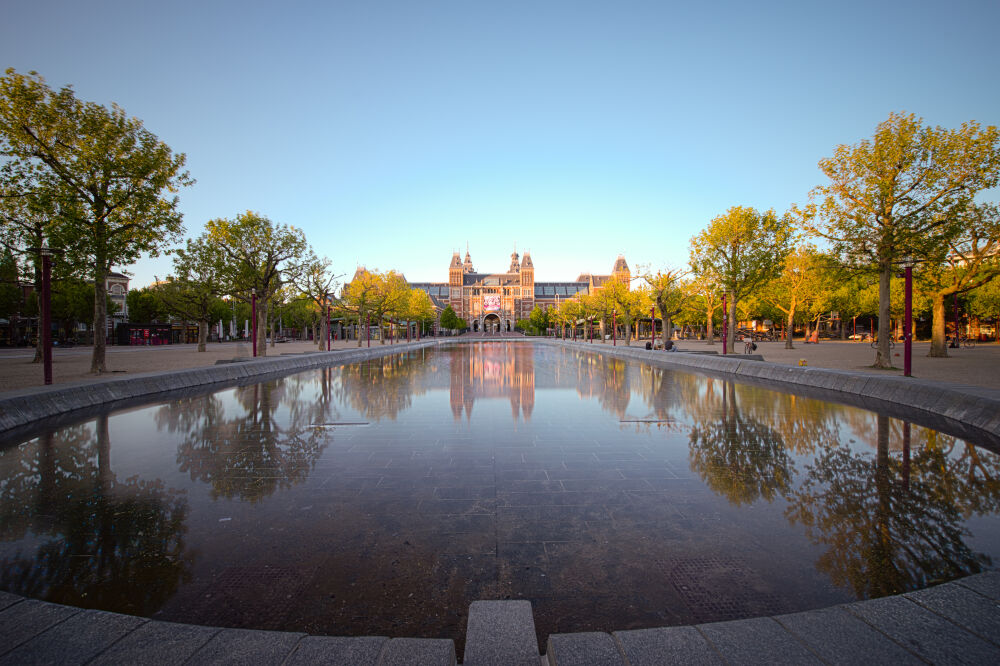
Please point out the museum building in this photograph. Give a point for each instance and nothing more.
(493, 302)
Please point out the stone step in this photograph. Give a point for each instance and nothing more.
(501, 633)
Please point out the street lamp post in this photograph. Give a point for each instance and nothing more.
(908, 317)
(46, 312)
(725, 326)
(253, 320)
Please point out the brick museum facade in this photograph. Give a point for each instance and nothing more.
(493, 302)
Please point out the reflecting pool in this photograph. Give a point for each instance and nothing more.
(383, 497)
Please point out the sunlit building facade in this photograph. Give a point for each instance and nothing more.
(493, 302)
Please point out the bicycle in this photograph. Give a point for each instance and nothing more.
(968, 342)
(892, 343)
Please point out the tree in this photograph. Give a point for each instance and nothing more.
(450, 320)
(972, 259)
(146, 305)
(896, 195)
(798, 285)
(741, 251)
(318, 283)
(668, 295)
(538, 320)
(193, 291)
(108, 168)
(254, 253)
(421, 308)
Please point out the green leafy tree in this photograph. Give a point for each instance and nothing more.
(192, 292)
(146, 306)
(741, 251)
(667, 292)
(538, 320)
(315, 279)
(971, 260)
(254, 253)
(897, 196)
(112, 170)
(801, 283)
(451, 320)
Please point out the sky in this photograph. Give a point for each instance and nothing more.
(395, 133)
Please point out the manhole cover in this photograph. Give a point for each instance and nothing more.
(721, 588)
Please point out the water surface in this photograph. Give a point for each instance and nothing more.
(383, 497)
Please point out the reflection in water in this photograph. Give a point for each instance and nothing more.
(607, 475)
(250, 454)
(82, 537)
(492, 371)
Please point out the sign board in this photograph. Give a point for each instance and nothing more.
(491, 302)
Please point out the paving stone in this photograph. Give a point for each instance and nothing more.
(591, 648)
(964, 607)
(20, 622)
(8, 599)
(666, 645)
(159, 643)
(247, 646)
(839, 637)
(987, 584)
(337, 651)
(759, 640)
(76, 640)
(501, 633)
(418, 652)
(920, 631)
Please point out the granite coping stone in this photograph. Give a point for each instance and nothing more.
(76, 640)
(418, 652)
(964, 607)
(337, 651)
(501, 633)
(760, 640)
(247, 646)
(590, 648)
(986, 584)
(926, 634)
(838, 637)
(23, 621)
(160, 643)
(666, 645)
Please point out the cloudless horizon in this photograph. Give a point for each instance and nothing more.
(394, 133)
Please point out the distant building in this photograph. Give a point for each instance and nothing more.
(117, 286)
(495, 301)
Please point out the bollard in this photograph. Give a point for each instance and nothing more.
(802, 361)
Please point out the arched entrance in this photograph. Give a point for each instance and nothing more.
(492, 323)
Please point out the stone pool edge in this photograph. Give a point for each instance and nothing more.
(22, 407)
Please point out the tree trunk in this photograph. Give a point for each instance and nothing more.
(883, 357)
(667, 326)
(261, 329)
(709, 329)
(202, 334)
(939, 348)
(97, 359)
(789, 323)
(601, 328)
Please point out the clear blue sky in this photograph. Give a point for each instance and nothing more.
(393, 133)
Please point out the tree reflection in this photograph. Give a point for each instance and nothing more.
(737, 455)
(104, 543)
(381, 388)
(887, 536)
(253, 453)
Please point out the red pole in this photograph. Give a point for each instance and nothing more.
(328, 326)
(725, 326)
(614, 325)
(253, 320)
(46, 323)
(908, 323)
(368, 332)
(652, 327)
(956, 321)
(392, 337)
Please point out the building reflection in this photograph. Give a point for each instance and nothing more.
(484, 371)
